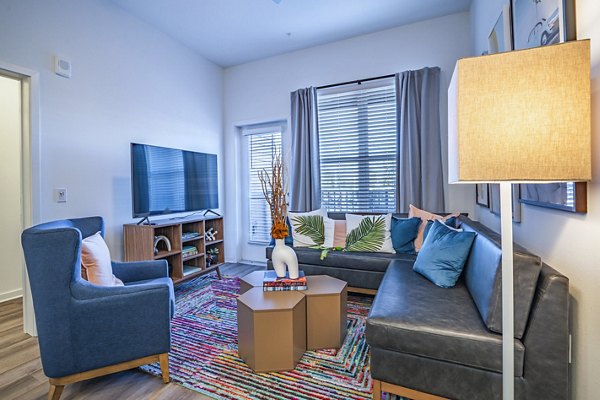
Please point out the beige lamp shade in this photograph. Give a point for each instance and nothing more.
(521, 116)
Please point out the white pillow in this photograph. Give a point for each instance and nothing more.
(353, 221)
(305, 236)
(95, 262)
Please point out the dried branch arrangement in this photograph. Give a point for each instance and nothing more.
(274, 187)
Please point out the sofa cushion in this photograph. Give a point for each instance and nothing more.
(411, 315)
(377, 262)
(483, 277)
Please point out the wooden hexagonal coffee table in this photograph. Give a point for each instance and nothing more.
(252, 280)
(326, 312)
(271, 329)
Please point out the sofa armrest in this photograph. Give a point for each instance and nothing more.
(140, 270)
(115, 324)
(547, 338)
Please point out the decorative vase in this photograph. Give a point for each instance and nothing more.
(284, 256)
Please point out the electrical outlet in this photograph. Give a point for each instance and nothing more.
(61, 195)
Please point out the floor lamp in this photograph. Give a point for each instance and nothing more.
(519, 117)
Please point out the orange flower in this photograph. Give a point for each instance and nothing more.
(279, 230)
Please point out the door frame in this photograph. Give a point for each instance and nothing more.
(31, 166)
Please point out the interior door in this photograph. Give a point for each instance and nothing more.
(11, 205)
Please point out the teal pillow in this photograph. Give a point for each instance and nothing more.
(451, 222)
(443, 255)
(404, 231)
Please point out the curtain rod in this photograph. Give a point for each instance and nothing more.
(358, 81)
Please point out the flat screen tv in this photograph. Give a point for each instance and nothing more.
(166, 181)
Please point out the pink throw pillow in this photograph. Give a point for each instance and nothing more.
(95, 262)
(425, 216)
(339, 233)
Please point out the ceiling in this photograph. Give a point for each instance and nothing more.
(231, 32)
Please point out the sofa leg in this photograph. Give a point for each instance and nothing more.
(55, 391)
(403, 392)
(376, 389)
(164, 366)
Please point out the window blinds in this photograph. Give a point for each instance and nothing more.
(166, 183)
(262, 148)
(357, 144)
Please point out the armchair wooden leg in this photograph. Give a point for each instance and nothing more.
(376, 389)
(164, 366)
(55, 391)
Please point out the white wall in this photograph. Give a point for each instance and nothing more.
(566, 241)
(130, 83)
(260, 91)
(11, 270)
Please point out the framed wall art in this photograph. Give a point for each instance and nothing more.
(499, 39)
(566, 196)
(538, 23)
(541, 23)
(516, 201)
(482, 194)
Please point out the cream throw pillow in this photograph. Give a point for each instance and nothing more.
(425, 216)
(312, 228)
(377, 239)
(95, 262)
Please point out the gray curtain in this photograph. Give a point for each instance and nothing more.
(420, 178)
(305, 182)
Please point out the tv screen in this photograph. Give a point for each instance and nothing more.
(165, 181)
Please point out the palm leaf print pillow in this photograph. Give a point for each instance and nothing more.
(312, 229)
(369, 233)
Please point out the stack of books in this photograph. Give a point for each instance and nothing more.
(189, 251)
(271, 283)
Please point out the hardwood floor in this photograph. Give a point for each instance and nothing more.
(22, 377)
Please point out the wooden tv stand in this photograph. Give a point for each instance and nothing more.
(140, 245)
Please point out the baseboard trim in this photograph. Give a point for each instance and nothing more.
(13, 294)
(250, 262)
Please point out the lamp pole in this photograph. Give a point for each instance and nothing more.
(508, 329)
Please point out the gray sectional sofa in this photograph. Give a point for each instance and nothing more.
(448, 342)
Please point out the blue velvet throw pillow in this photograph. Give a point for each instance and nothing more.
(443, 255)
(403, 232)
(451, 222)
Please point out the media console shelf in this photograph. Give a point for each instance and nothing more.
(188, 252)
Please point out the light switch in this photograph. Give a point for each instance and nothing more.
(61, 195)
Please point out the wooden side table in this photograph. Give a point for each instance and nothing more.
(252, 280)
(271, 329)
(326, 312)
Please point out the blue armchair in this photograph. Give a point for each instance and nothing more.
(86, 330)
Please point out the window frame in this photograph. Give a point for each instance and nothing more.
(362, 166)
(247, 131)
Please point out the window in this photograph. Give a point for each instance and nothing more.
(357, 144)
(262, 146)
(166, 180)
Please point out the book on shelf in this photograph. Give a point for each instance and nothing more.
(272, 282)
(189, 235)
(190, 269)
(188, 251)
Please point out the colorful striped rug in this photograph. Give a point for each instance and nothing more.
(204, 354)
